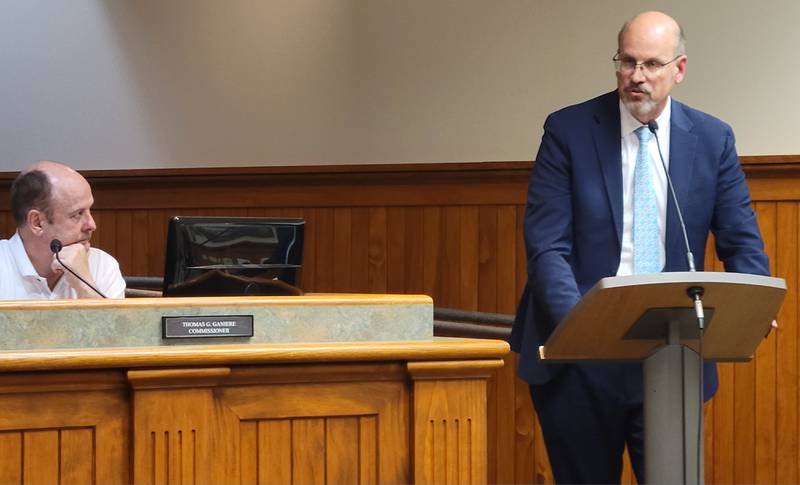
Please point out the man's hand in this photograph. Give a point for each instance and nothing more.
(772, 326)
(76, 256)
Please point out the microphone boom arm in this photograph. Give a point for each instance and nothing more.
(653, 127)
(55, 246)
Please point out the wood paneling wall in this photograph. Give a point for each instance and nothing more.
(61, 439)
(453, 231)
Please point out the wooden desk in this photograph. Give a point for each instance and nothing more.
(369, 412)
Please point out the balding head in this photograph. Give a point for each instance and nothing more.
(39, 185)
(51, 167)
(657, 26)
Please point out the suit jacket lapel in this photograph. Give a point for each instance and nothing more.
(607, 137)
(682, 147)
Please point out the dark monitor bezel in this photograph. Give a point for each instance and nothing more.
(175, 222)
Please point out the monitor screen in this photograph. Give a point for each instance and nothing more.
(233, 256)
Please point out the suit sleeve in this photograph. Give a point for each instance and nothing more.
(737, 237)
(549, 229)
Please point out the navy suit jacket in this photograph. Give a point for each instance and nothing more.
(573, 218)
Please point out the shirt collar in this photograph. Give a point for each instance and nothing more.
(21, 256)
(629, 124)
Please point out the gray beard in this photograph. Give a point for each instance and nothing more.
(640, 109)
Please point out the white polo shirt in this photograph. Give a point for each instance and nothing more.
(20, 281)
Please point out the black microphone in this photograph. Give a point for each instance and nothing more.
(55, 247)
(694, 292)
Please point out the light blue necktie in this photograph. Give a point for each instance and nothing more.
(646, 236)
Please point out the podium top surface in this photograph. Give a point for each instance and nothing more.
(698, 278)
(743, 307)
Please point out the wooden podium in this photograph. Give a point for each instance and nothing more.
(651, 318)
(326, 412)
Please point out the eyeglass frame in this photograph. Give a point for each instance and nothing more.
(657, 66)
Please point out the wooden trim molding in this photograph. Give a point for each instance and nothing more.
(388, 185)
(453, 369)
(753, 160)
(281, 170)
(377, 168)
(422, 174)
(320, 186)
(177, 377)
(509, 167)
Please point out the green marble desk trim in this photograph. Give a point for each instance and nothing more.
(137, 322)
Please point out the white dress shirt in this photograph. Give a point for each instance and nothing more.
(630, 146)
(20, 281)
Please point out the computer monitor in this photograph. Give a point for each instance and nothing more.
(233, 256)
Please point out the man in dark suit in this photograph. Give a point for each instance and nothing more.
(591, 213)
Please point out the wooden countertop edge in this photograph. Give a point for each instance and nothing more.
(215, 355)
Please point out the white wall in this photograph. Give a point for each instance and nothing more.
(175, 83)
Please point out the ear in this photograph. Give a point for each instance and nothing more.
(35, 221)
(681, 71)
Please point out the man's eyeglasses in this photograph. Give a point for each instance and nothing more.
(626, 65)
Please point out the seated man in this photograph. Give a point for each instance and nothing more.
(52, 201)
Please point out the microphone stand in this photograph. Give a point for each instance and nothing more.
(55, 247)
(695, 293)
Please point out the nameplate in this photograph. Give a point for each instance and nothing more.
(207, 326)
